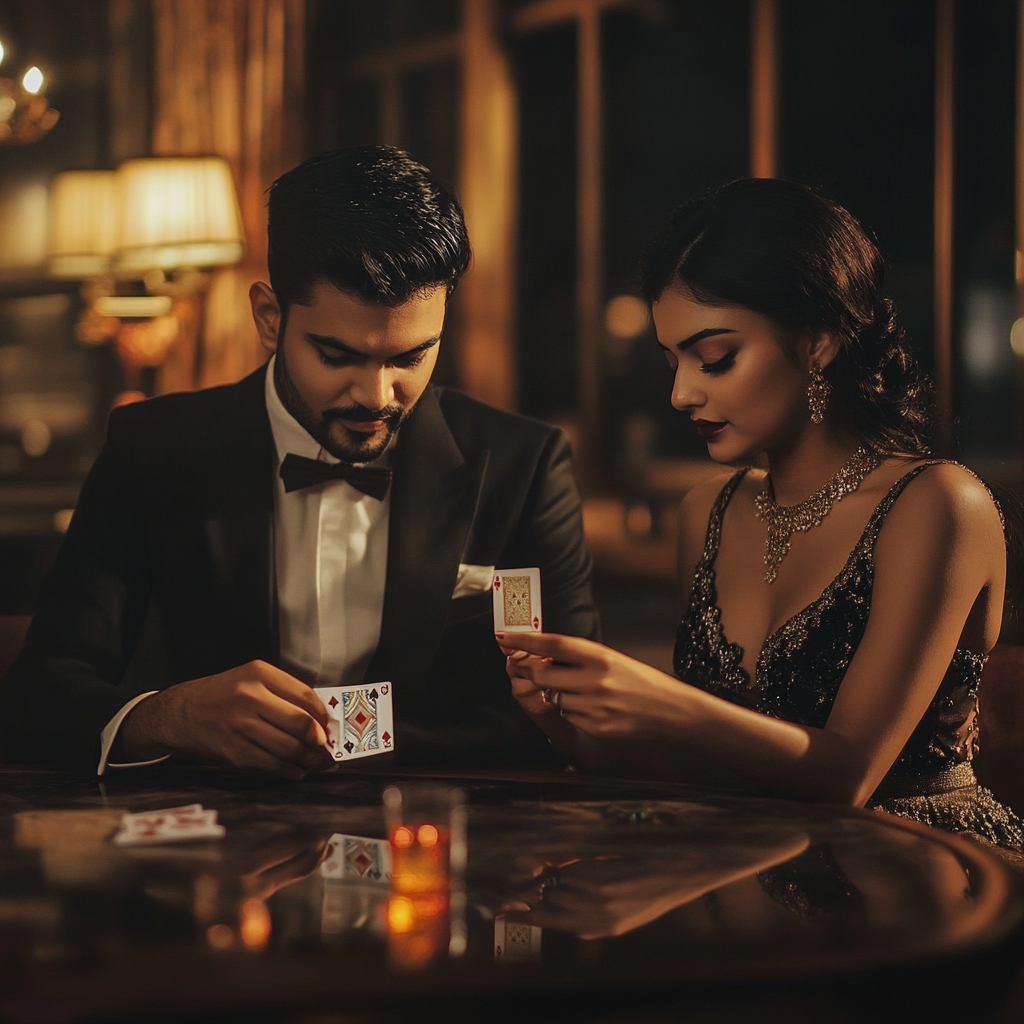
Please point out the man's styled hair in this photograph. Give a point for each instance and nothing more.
(368, 220)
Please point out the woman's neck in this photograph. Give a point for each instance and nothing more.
(801, 467)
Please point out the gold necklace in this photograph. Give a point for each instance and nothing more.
(784, 520)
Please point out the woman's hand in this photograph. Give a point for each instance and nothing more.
(524, 689)
(599, 691)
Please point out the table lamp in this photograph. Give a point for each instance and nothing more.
(161, 220)
(177, 213)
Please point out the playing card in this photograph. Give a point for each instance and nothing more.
(357, 859)
(176, 825)
(362, 720)
(516, 594)
(515, 941)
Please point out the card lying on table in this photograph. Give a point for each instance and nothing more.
(174, 825)
(516, 595)
(362, 723)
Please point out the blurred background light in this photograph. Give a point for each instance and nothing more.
(626, 317)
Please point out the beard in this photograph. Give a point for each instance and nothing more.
(344, 444)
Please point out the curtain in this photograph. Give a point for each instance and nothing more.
(228, 80)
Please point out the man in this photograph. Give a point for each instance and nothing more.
(217, 515)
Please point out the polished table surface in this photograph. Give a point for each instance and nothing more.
(573, 888)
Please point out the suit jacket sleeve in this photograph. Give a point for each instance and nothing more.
(62, 690)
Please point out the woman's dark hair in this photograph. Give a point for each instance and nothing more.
(368, 220)
(783, 250)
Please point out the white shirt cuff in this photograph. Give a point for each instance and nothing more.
(109, 734)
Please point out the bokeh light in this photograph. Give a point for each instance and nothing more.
(33, 80)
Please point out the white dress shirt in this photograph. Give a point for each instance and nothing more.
(331, 550)
(331, 546)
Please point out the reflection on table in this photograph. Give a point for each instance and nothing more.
(593, 883)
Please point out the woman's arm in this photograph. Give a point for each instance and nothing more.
(626, 757)
(939, 563)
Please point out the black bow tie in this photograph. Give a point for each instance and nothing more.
(297, 472)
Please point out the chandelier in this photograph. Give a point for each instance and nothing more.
(25, 113)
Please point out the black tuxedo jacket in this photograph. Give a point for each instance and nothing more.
(174, 525)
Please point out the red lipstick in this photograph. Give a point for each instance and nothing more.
(708, 429)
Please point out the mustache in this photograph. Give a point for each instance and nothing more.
(390, 415)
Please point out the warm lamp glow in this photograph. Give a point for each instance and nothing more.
(2, 52)
(626, 317)
(83, 223)
(177, 212)
(32, 81)
(23, 216)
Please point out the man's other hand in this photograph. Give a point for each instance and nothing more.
(256, 716)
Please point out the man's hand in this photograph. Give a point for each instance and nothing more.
(255, 716)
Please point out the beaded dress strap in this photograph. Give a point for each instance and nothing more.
(716, 515)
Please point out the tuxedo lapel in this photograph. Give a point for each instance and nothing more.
(433, 500)
(240, 520)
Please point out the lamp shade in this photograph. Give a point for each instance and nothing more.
(177, 212)
(23, 213)
(83, 223)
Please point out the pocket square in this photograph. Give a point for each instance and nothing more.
(473, 579)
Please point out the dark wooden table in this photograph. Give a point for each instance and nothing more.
(615, 900)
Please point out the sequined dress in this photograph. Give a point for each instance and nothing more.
(802, 664)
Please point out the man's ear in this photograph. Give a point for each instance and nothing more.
(266, 314)
(824, 347)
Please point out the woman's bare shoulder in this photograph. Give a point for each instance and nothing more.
(947, 498)
(694, 512)
(698, 500)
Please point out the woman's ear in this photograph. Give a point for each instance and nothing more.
(823, 348)
(266, 314)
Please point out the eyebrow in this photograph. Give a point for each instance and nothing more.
(708, 332)
(339, 346)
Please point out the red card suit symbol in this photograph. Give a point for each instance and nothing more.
(333, 702)
(360, 858)
(536, 622)
(497, 583)
(386, 737)
(360, 719)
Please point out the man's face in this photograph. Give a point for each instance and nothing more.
(350, 372)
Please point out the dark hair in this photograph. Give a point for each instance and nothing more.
(783, 250)
(368, 220)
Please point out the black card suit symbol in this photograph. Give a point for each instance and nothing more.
(333, 702)
(348, 746)
(373, 695)
(374, 874)
(384, 688)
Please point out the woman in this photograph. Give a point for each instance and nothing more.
(838, 606)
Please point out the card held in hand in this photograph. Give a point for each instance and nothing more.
(362, 723)
(516, 594)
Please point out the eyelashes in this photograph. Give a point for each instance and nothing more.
(720, 365)
(405, 363)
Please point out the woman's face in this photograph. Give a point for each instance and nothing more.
(743, 392)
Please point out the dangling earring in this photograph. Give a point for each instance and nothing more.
(818, 390)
